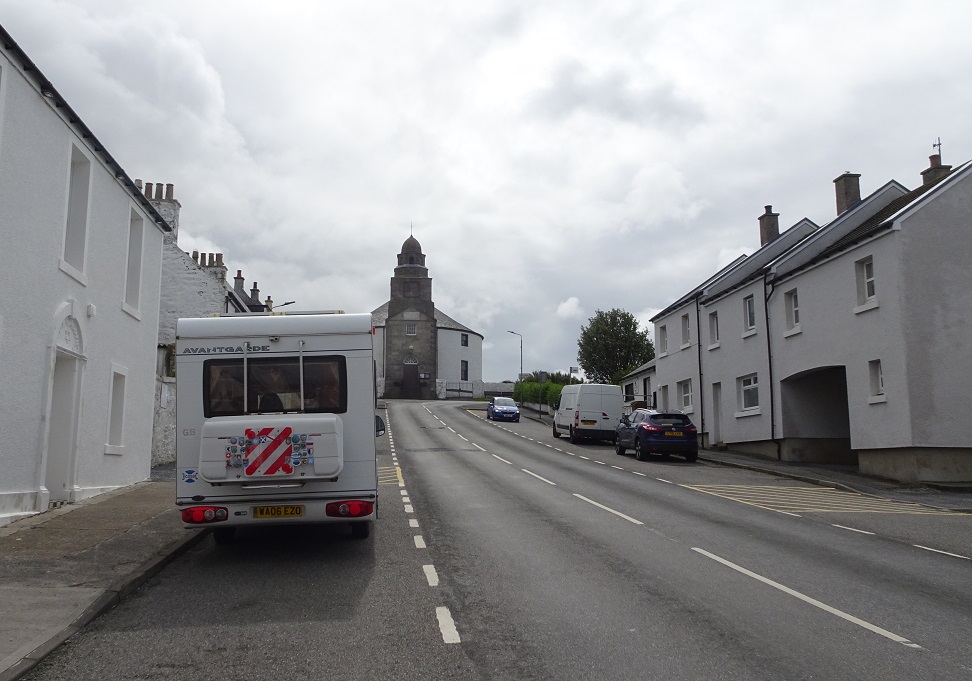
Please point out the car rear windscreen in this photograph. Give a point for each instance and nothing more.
(678, 420)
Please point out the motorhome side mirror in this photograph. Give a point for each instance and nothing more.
(379, 426)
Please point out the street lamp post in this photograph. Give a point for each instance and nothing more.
(520, 375)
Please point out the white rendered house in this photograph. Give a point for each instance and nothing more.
(79, 315)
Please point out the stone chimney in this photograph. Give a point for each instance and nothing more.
(848, 188)
(268, 303)
(769, 226)
(935, 170)
(255, 293)
(162, 198)
(238, 283)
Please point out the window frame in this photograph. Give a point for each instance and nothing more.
(749, 313)
(463, 370)
(748, 384)
(464, 340)
(713, 329)
(663, 340)
(411, 329)
(135, 262)
(683, 390)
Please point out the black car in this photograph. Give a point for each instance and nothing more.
(502, 409)
(653, 431)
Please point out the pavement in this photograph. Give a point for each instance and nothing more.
(61, 569)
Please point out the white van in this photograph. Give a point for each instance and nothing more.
(588, 410)
(276, 418)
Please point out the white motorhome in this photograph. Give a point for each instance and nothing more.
(277, 421)
(588, 411)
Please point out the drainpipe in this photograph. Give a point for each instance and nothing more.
(769, 358)
(698, 344)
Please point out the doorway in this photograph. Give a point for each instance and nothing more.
(716, 418)
(410, 382)
(62, 427)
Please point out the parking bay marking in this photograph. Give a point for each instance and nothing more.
(812, 601)
(793, 499)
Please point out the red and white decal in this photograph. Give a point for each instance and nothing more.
(269, 452)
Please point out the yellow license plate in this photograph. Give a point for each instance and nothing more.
(588, 423)
(673, 433)
(261, 512)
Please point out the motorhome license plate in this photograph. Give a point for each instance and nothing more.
(673, 433)
(278, 512)
(589, 423)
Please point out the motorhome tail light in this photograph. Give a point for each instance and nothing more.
(200, 515)
(353, 508)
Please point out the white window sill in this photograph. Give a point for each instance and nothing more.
(132, 311)
(750, 332)
(714, 346)
(877, 399)
(869, 305)
(793, 332)
(755, 411)
(115, 450)
(69, 270)
(685, 346)
(663, 354)
(688, 410)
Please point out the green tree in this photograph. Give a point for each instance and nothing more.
(611, 345)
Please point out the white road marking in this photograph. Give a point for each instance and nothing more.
(600, 462)
(450, 428)
(431, 575)
(460, 435)
(665, 481)
(641, 474)
(538, 477)
(408, 508)
(610, 510)
(788, 513)
(583, 457)
(502, 459)
(477, 446)
(448, 628)
(812, 601)
(852, 529)
(419, 541)
(406, 500)
(954, 555)
(404, 493)
(412, 522)
(618, 467)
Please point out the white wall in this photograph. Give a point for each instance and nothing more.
(84, 312)
(451, 352)
(680, 362)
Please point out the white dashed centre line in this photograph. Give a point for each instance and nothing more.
(446, 625)
(618, 467)
(412, 522)
(501, 459)
(538, 477)
(408, 508)
(665, 481)
(609, 510)
(419, 541)
(944, 553)
(406, 500)
(431, 575)
(852, 529)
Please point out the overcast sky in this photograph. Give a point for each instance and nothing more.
(552, 157)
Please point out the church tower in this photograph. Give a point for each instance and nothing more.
(410, 340)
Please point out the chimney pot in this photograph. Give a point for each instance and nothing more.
(935, 170)
(219, 260)
(158, 191)
(148, 190)
(195, 257)
(169, 192)
(848, 188)
(138, 184)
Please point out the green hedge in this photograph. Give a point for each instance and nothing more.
(536, 393)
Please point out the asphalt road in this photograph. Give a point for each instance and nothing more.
(502, 553)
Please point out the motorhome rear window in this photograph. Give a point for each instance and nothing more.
(273, 385)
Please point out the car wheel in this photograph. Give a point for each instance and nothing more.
(360, 530)
(618, 449)
(556, 433)
(640, 452)
(691, 457)
(224, 535)
(574, 437)
(516, 420)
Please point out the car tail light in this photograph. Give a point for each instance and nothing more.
(650, 428)
(200, 515)
(690, 429)
(353, 508)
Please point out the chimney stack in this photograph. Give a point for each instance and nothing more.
(935, 171)
(238, 282)
(195, 257)
(255, 293)
(848, 188)
(769, 226)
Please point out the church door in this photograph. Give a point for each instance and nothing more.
(410, 382)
